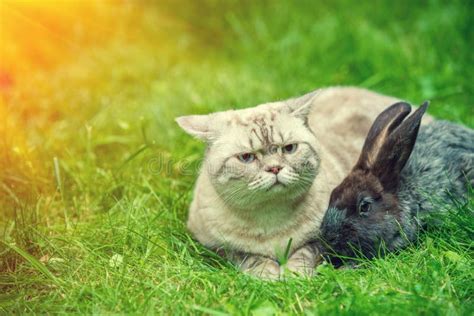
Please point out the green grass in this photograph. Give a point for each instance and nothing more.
(124, 171)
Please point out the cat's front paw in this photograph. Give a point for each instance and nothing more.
(299, 269)
(303, 261)
(265, 269)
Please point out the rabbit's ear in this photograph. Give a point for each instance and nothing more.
(396, 150)
(382, 127)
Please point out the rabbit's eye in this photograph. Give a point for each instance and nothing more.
(246, 157)
(365, 206)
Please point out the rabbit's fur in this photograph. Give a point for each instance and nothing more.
(380, 205)
(439, 170)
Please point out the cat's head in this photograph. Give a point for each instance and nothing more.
(260, 155)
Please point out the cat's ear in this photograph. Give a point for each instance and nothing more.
(302, 111)
(301, 106)
(196, 125)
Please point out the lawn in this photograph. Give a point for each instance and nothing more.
(96, 177)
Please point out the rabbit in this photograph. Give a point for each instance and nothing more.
(381, 203)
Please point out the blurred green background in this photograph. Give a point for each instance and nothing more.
(91, 164)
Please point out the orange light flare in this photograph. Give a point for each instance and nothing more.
(38, 36)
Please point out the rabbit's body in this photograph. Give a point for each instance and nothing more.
(396, 181)
(438, 171)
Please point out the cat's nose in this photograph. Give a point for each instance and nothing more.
(274, 169)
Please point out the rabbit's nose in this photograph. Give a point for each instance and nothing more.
(274, 169)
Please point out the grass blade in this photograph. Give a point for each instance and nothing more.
(209, 311)
(35, 263)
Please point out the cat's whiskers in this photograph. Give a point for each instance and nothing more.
(261, 182)
(229, 195)
(289, 177)
(263, 185)
(255, 182)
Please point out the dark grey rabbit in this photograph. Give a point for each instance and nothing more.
(381, 203)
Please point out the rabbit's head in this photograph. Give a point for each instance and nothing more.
(364, 215)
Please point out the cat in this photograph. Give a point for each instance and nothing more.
(268, 172)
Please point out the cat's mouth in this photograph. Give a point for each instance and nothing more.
(277, 184)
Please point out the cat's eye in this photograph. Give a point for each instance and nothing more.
(273, 149)
(289, 149)
(246, 157)
(365, 206)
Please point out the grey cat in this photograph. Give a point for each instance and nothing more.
(382, 202)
